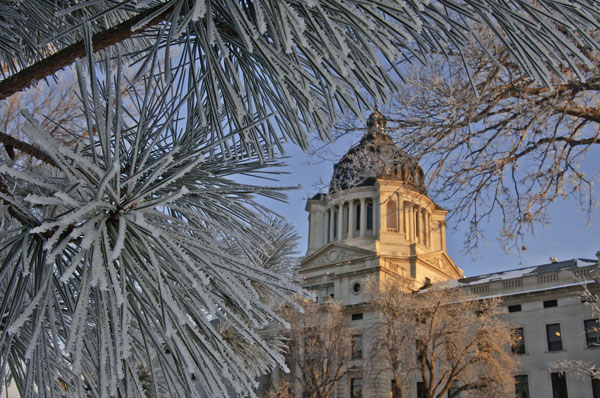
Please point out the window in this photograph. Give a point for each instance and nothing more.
(357, 222)
(514, 308)
(345, 219)
(370, 216)
(554, 337)
(522, 386)
(550, 303)
(595, 388)
(519, 343)
(335, 224)
(420, 389)
(394, 393)
(357, 346)
(357, 317)
(559, 385)
(592, 332)
(356, 388)
(391, 216)
(356, 288)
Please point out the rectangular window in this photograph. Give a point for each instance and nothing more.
(356, 388)
(357, 222)
(550, 303)
(370, 216)
(592, 332)
(519, 343)
(420, 389)
(554, 337)
(559, 385)
(357, 317)
(595, 388)
(393, 392)
(522, 386)
(345, 219)
(335, 225)
(514, 308)
(357, 346)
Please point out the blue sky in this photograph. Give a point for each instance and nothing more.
(567, 235)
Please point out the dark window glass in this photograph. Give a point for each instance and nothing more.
(554, 337)
(356, 288)
(592, 332)
(357, 346)
(357, 317)
(335, 225)
(356, 388)
(395, 393)
(559, 385)
(519, 343)
(522, 386)
(420, 389)
(370, 216)
(514, 308)
(550, 303)
(595, 388)
(357, 223)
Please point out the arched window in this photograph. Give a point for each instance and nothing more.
(391, 211)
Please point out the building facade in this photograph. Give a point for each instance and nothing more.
(376, 221)
(544, 304)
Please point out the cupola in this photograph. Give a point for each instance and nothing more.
(376, 156)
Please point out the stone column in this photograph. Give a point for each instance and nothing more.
(443, 230)
(340, 221)
(415, 215)
(405, 221)
(363, 217)
(325, 225)
(350, 219)
(425, 228)
(410, 222)
(376, 215)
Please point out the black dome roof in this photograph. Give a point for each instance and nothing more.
(376, 156)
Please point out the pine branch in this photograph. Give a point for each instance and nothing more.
(11, 143)
(65, 57)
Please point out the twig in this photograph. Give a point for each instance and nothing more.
(10, 142)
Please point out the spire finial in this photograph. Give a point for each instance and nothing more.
(376, 122)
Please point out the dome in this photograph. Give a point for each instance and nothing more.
(376, 156)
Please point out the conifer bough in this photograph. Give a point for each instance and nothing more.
(131, 263)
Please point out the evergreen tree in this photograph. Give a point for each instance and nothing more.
(131, 263)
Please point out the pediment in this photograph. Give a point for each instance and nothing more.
(443, 263)
(334, 253)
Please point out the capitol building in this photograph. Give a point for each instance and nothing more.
(376, 220)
